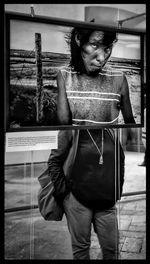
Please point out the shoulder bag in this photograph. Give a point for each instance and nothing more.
(50, 208)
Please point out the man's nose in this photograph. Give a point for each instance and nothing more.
(100, 55)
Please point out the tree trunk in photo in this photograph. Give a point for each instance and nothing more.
(39, 88)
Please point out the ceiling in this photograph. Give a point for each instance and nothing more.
(116, 16)
(105, 13)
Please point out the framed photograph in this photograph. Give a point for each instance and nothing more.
(37, 48)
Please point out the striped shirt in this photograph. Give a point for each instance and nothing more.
(93, 100)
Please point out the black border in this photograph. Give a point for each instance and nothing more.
(72, 23)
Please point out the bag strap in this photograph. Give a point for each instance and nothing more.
(111, 133)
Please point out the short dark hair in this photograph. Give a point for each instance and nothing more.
(83, 35)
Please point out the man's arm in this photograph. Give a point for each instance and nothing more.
(63, 110)
(126, 104)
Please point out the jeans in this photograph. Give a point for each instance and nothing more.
(80, 220)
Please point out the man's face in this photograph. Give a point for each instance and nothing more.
(94, 53)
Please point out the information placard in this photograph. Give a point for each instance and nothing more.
(34, 140)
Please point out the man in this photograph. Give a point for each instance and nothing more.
(92, 180)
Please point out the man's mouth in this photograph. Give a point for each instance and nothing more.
(97, 66)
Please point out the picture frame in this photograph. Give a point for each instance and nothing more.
(23, 87)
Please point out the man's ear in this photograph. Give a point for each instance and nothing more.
(77, 40)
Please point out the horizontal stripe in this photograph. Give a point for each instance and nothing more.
(126, 67)
(112, 70)
(112, 75)
(106, 74)
(94, 92)
(92, 98)
(69, 71)
(95, 122)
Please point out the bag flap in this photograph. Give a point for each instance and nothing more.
(44, 178)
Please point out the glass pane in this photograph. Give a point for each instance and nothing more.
(132, 207)
(29, 236)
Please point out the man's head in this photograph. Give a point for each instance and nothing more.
(90, 49)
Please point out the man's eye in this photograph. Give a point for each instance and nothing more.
(107, 50)
(94, 45)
